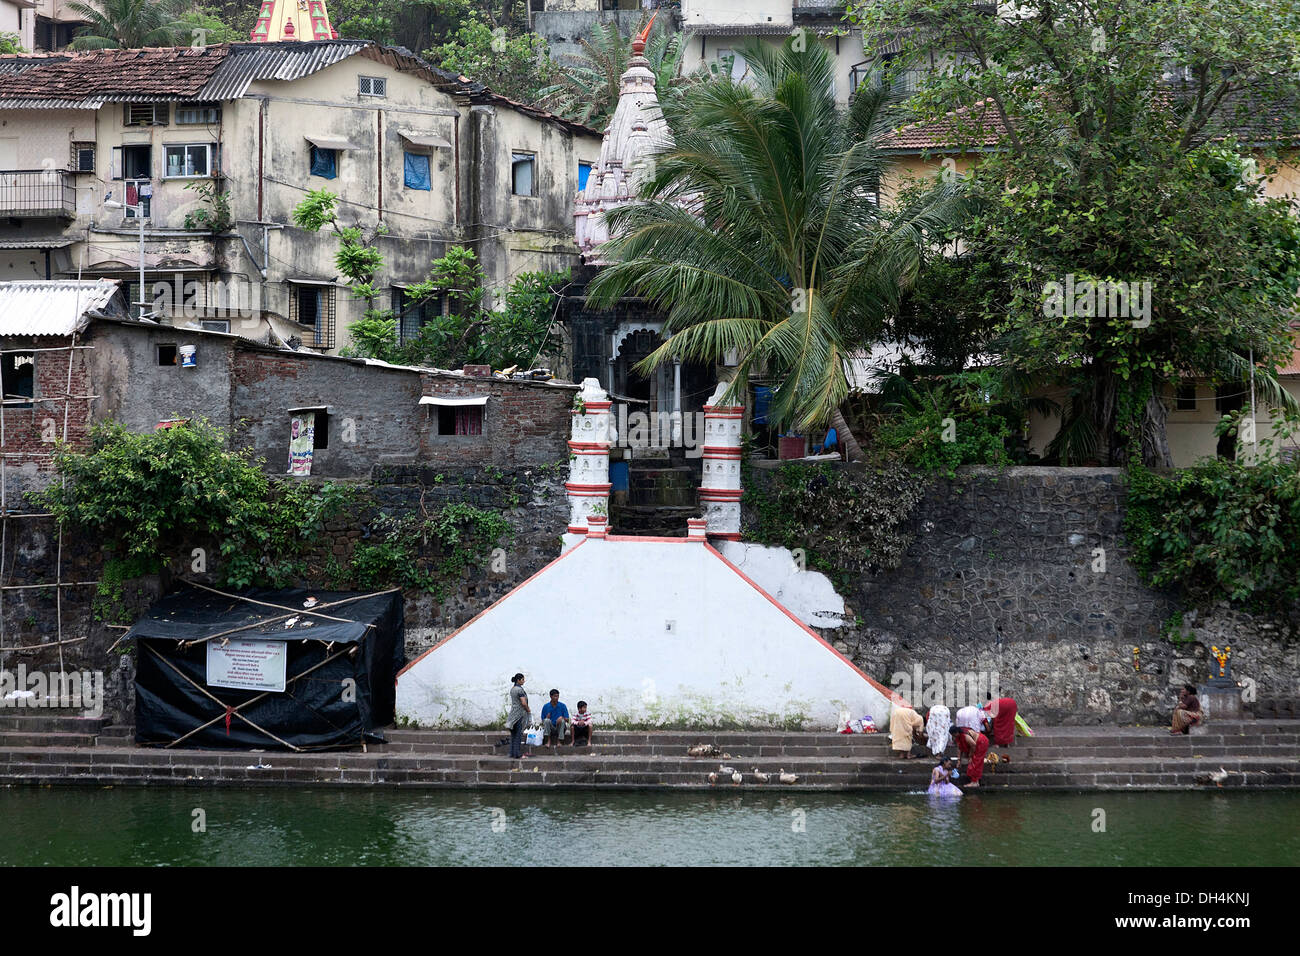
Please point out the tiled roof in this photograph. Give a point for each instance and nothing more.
(51, 307)
(111, 75)
(1253, 120)
(973, 128)
(219, 72)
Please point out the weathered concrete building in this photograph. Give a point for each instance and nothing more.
(362, 414)
(201, 154)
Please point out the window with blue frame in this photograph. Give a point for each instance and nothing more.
(324, 163)
(584, 170)
(417, 170)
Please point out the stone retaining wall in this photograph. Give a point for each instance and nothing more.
(1020, 577)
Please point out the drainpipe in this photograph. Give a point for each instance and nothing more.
(379, 153)
(261, 161)
(456, 163)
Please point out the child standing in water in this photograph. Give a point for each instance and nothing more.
(940, 784)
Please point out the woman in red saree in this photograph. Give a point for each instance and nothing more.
(972, 746)
(1003, 712)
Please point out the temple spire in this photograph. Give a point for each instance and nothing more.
(636, 131)
(292, 20)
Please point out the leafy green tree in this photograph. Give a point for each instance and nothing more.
(358, 259)
(9, 43)
(130, 24)
(1116, 163)
(760, 233)
(204, 25)
(148, 496)
(587, 88)
(471, 332)
(514, 66)
(1221, 530)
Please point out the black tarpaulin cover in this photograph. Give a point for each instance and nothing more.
(344, 636)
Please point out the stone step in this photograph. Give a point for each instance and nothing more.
(21, 738)
(1055, 735)
(126, 775)
(51, 721)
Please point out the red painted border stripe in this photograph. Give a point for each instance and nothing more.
(504, 597)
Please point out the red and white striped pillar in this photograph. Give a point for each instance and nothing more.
(720, 491)
(592, 433)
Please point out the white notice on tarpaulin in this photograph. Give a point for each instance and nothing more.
(247, 665)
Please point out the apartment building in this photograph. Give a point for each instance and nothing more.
(107, 153)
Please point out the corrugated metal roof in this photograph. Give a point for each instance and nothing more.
(49, 104)
(52, 307)
(248, 62)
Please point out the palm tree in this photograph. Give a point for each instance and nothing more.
(588, 87)
(761, 233)
(130, 24)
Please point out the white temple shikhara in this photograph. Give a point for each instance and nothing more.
(636, 133)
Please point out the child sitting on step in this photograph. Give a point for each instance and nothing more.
(582, 724)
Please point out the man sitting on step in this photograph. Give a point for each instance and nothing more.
(555, 719)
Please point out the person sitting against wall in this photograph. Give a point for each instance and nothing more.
(555, 719)
(1187, 712)
(582, 724)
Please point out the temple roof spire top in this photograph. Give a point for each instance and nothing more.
(275, 21)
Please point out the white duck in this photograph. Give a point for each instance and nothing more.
(788, 777)
(761, 777)
(725, 770)
(713, 778)
(736, 778)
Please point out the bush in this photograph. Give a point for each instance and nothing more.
(152, 495)
(935, 426)
(847, 521)
(1221, 530)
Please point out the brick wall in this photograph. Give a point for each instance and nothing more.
(524, 423)
(30, 433)
(376, 418)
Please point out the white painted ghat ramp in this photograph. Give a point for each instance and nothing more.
(647, 631)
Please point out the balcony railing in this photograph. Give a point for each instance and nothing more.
(37, 194)
(903, 82)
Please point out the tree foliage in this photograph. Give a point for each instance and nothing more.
(1115, 162)
(154, 496)
(761, 233)
(515, 66)
(1221, 530)
(131, 24)
(472, 331)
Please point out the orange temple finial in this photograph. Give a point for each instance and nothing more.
(638, 45)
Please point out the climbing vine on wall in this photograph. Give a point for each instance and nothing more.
(848, 521)
(425, 550)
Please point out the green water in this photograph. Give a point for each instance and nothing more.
(74, 827)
